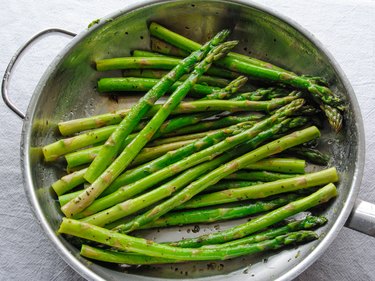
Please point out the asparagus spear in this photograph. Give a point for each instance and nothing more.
(215, 71)
(199, 157)
(263, 190)
(133, 205)
(158, 74)
(113, 144)
(311, 155)
(321, 196)
(213, 177)
(264, 176)
(281, 165)
(308, 222)
(85, 156)
(226, 184)
(228, 90)
(150, 248)
(213, 215)
(68, 182)
(262, 94)
(215, 124)
(101, 180)
(328, 102)
(145, 170)
(131, 258)
(54, 150)
(138, 84)
(185, 107)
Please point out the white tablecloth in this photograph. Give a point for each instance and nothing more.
(346, 28)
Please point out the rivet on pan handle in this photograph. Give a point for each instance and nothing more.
(362, 218)
(13, 61)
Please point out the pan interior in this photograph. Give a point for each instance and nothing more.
(68, 91)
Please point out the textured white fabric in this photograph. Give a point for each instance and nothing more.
(346, 28)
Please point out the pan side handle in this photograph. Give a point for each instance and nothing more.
(362, 218)
(8, 72)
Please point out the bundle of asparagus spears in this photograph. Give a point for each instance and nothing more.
(222, 155)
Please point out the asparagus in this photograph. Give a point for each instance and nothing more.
(185, 107)
(146, 247)
(215, 124)
(328, 102)
(227, 184)
(85, 156)
(54, 150)
(311, 155)
(264, 176)
(199, 157)
(139, 84)
(281, 165)
(101, 180)
(112, 146)
(68, 182)
(158, 74)
(215, 71)
(133, 205)
(213, 215)
(323, 195)
(263, 190)
(213, 177)
(145, 170)
(147, 54)
(131, 258)
(309, 222)
(262, 94)
(228, 90)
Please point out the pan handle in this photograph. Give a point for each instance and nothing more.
(362, 218)
(13, 62)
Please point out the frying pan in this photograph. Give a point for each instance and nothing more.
(67, 90)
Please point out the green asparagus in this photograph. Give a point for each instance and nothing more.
(263, 190)
(321, 196)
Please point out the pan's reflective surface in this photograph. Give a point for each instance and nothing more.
(67, 91)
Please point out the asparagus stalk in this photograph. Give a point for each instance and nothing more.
(263, 190)
(146, 247)
(113, 145)
(147, 54)
(185, 107)
(328, 102)
(138, 84)
(215, 124)
(215, 71)
(158, 74)
(85, 156)
(131, 258)
(133, 205)
(213, 177)
(171, 157)
(309, 222)
(145, 170)
(213, 215)
(68, 182)
(262, 94)
(281, 165)
(226, 184)
(228, 90)
(323, 195)
(264, 176)
(311, 155)
(199, 157)
(101, 180)
(54, 150)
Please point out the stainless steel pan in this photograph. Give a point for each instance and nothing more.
(67, 90)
